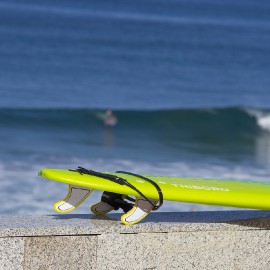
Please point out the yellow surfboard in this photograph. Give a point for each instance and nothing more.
(233, 193)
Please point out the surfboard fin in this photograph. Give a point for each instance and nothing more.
(75, 197)
(101, 208)
(133, 213)
(111, 201)
(139, 211)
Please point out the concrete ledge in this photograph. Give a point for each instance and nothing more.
(200, 240)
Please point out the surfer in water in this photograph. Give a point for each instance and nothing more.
(108, 118)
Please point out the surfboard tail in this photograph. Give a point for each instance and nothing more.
(134, 212)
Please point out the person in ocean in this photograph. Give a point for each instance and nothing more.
(109, 118)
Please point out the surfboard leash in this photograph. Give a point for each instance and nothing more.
(122, 181)
(160, 194)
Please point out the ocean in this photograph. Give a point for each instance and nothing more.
(188, 82)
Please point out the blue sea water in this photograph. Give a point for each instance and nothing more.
(187, 80)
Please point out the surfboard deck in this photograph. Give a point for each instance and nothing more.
(221, 192)
(235, 193)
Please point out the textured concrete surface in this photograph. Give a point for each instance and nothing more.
(201, 240)
(62, 252)
(156, 222)
(11, 253)
(130, 251)
(187, 250)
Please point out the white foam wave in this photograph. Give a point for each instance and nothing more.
(264, 122)
(262, 118)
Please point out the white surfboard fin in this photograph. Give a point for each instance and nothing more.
(140, 210)
(75, 197)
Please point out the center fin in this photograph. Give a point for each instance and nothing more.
(111, 201)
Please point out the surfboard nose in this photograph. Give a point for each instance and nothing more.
(40, 172)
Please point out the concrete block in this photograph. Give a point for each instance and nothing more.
(252, 250)
(181, 250)
(237, 240)
(60, 252)
(11, 253)
(199, 250)
(156, 222)
(130, 251)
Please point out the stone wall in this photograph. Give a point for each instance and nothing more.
(200, 240)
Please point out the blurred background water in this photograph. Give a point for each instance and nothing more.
(187, 80)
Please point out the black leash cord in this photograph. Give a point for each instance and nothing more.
(150, 181)
(122, 181)
(110, 177)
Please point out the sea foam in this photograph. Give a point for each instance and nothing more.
(262, 118)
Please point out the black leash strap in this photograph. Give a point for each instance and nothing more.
(122, 181)
(150, 181)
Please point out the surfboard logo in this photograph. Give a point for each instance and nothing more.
(205, 188)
